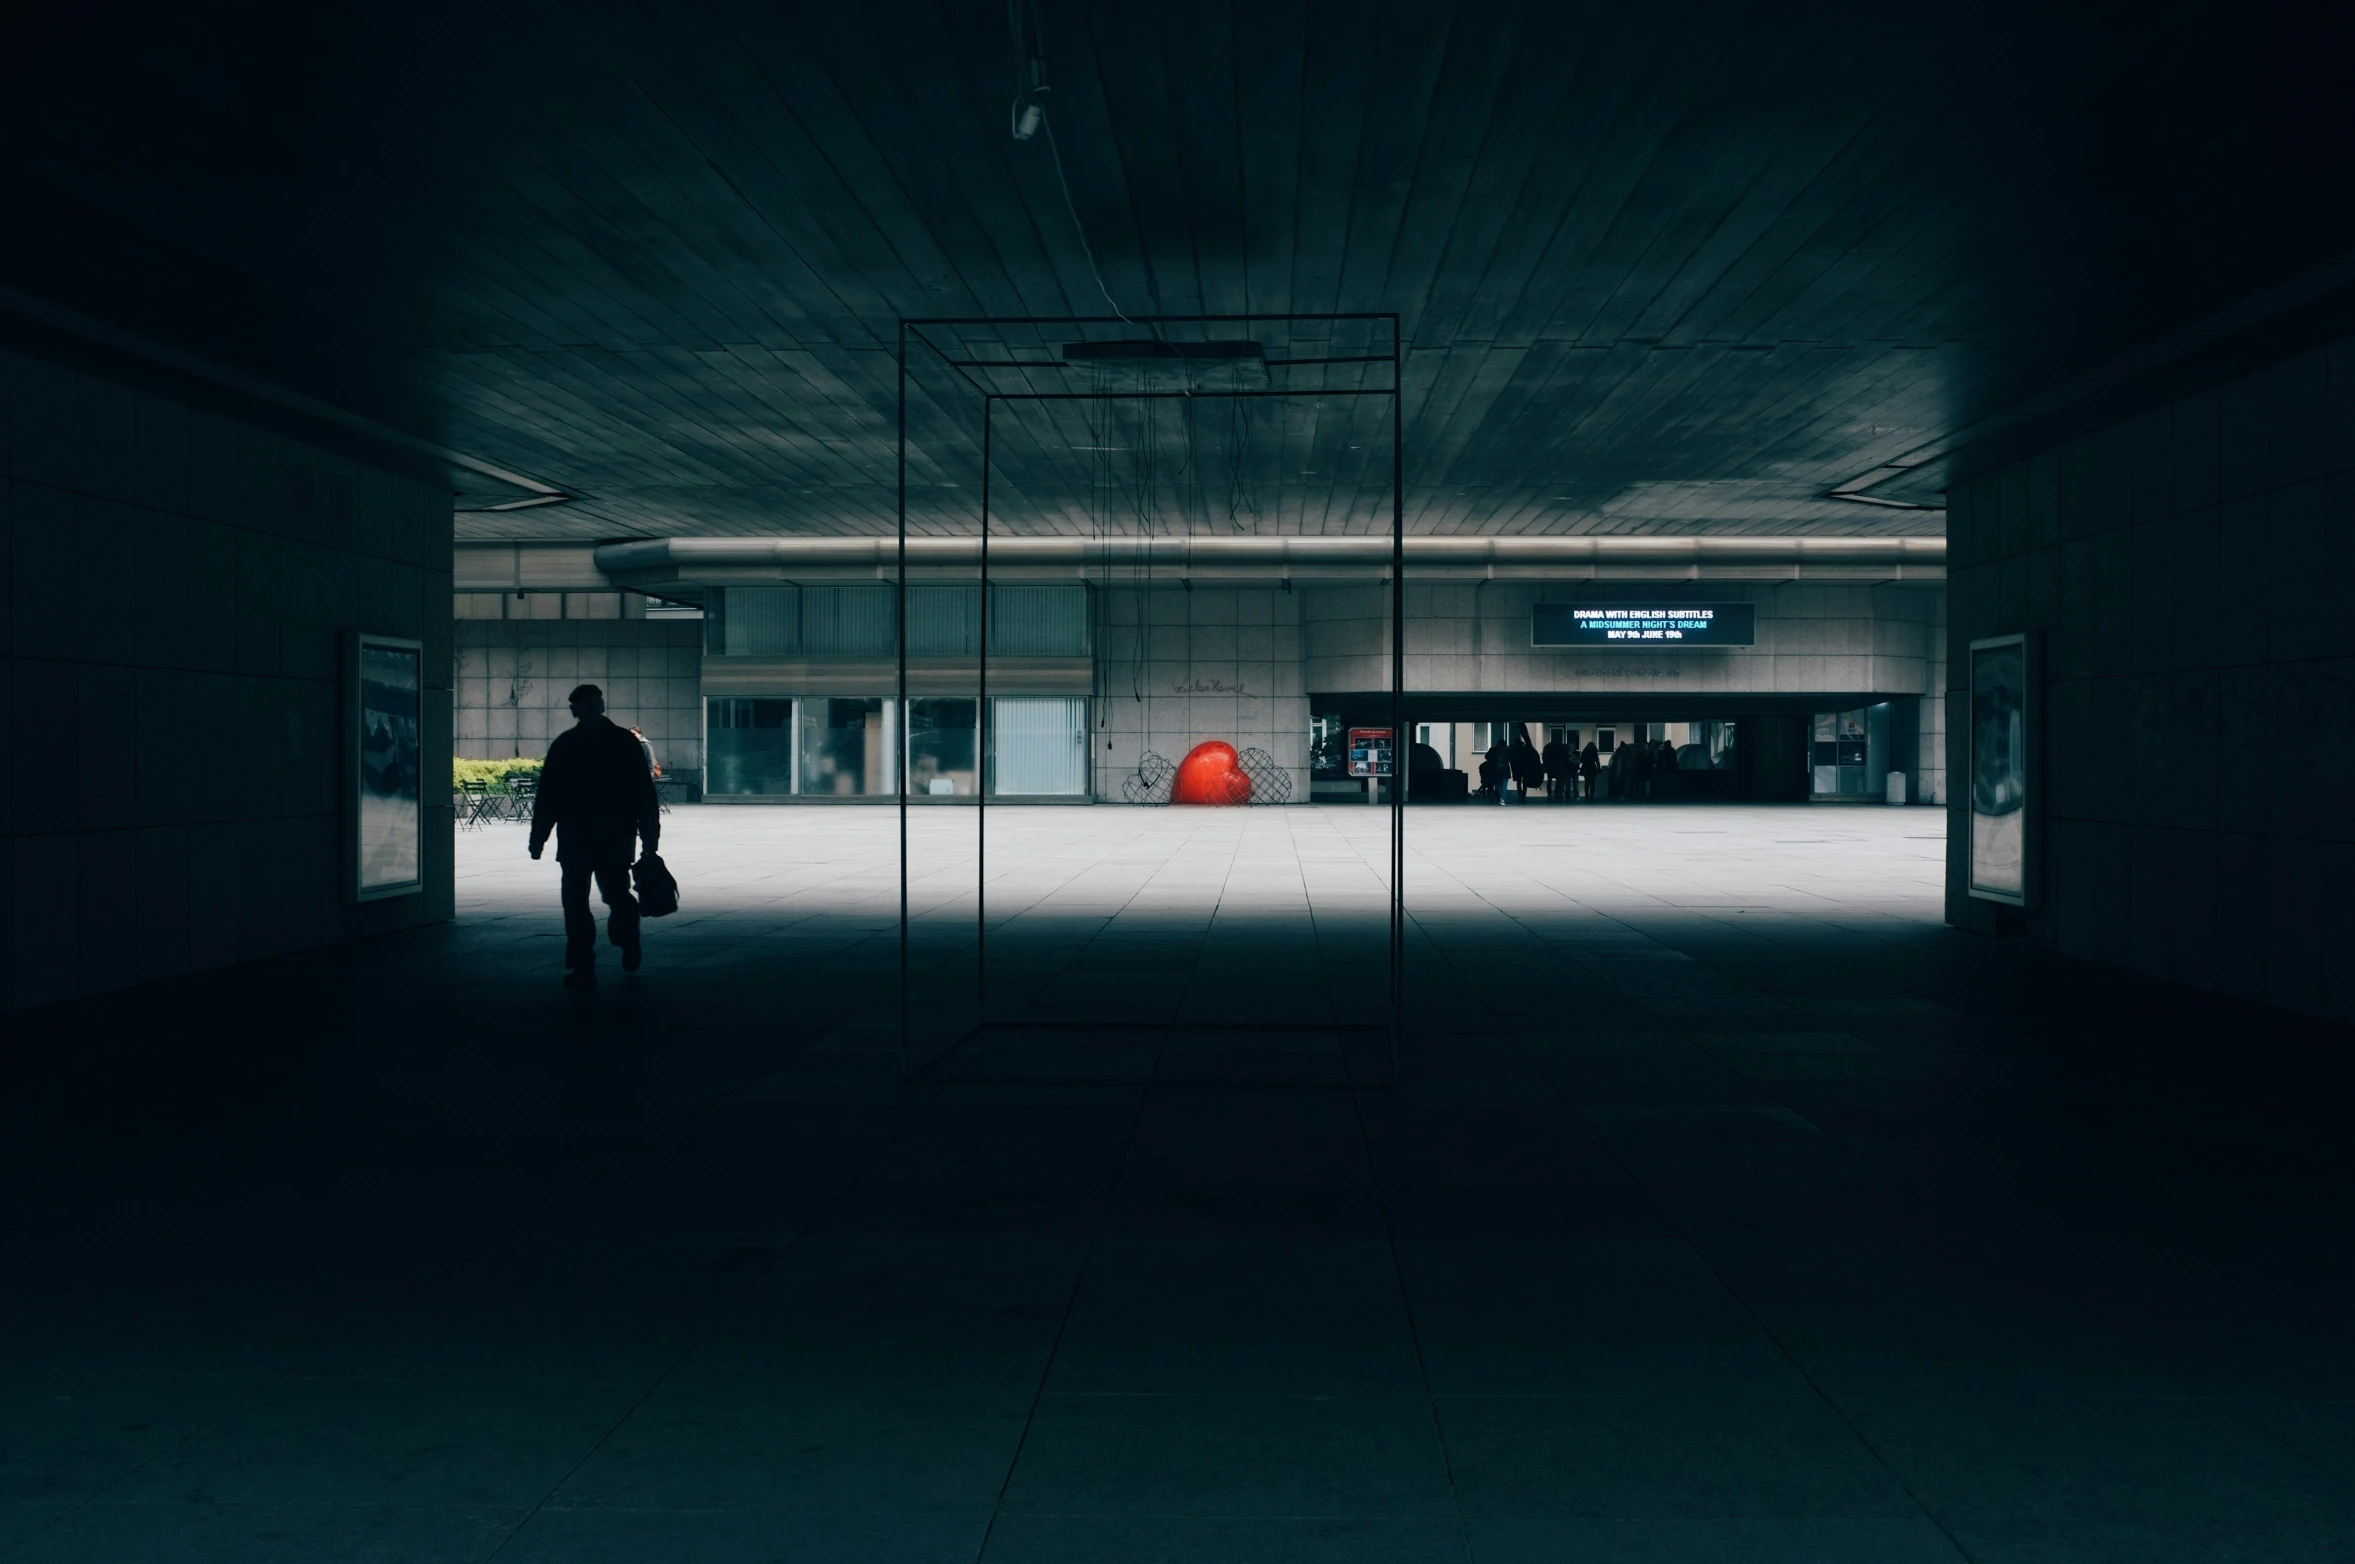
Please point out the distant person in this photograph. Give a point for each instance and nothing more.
(1528, 769)
(1426, 772)
(653, 766)
(1561, 769)
(1665, 782)
(597, 794)
(1627, 765)
(1590, 766)
(1496, 769)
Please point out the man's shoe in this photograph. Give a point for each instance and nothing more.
(633, 955)
(582, 976)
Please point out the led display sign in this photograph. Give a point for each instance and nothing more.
(1654, 626)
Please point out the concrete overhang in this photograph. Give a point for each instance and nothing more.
(759, 676)
(688, 567)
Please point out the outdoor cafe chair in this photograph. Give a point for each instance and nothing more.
(474, 801)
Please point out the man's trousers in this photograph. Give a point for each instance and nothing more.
(580, 925)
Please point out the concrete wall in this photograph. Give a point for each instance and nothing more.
(2192, 570)
(1175, 668)
(1917, 738)
(178, 586)
(1917, 741)
(1475, 636)
(513, 676)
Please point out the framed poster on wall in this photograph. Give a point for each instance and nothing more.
(2004, 683)
(384, 807)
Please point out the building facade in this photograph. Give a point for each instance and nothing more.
(779, 682)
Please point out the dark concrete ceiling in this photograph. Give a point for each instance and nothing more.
(1659, 268)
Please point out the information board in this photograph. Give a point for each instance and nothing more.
(384, 812)
(1370, 751)
(1658, 625)
(2004, 682)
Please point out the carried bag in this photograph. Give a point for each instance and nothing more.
(658, 893)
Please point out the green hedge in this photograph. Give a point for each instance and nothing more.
(495, 772)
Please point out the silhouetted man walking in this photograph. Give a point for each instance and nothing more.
(597, 795)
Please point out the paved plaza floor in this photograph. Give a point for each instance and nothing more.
(1718, 1203)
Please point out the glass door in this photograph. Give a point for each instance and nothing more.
(748, 746)
(1039, 746)
(846, 745)
(1851, 756)
(941, 746)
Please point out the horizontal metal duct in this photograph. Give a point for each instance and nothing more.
(528, 567)
(685, 566)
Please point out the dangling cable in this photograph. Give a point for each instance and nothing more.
(1240, 494)
(1235, 453)
(1087, 249)
(1193, 477)
(1141, 566)
(1028, 116)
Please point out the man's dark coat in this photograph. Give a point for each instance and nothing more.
(597, 795)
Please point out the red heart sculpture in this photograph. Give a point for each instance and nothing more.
(1210, 774)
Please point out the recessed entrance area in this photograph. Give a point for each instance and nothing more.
(1550, 747)
(1577, 759)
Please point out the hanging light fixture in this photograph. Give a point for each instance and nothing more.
(1030, 70)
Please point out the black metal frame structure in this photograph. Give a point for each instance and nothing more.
(913, 330)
